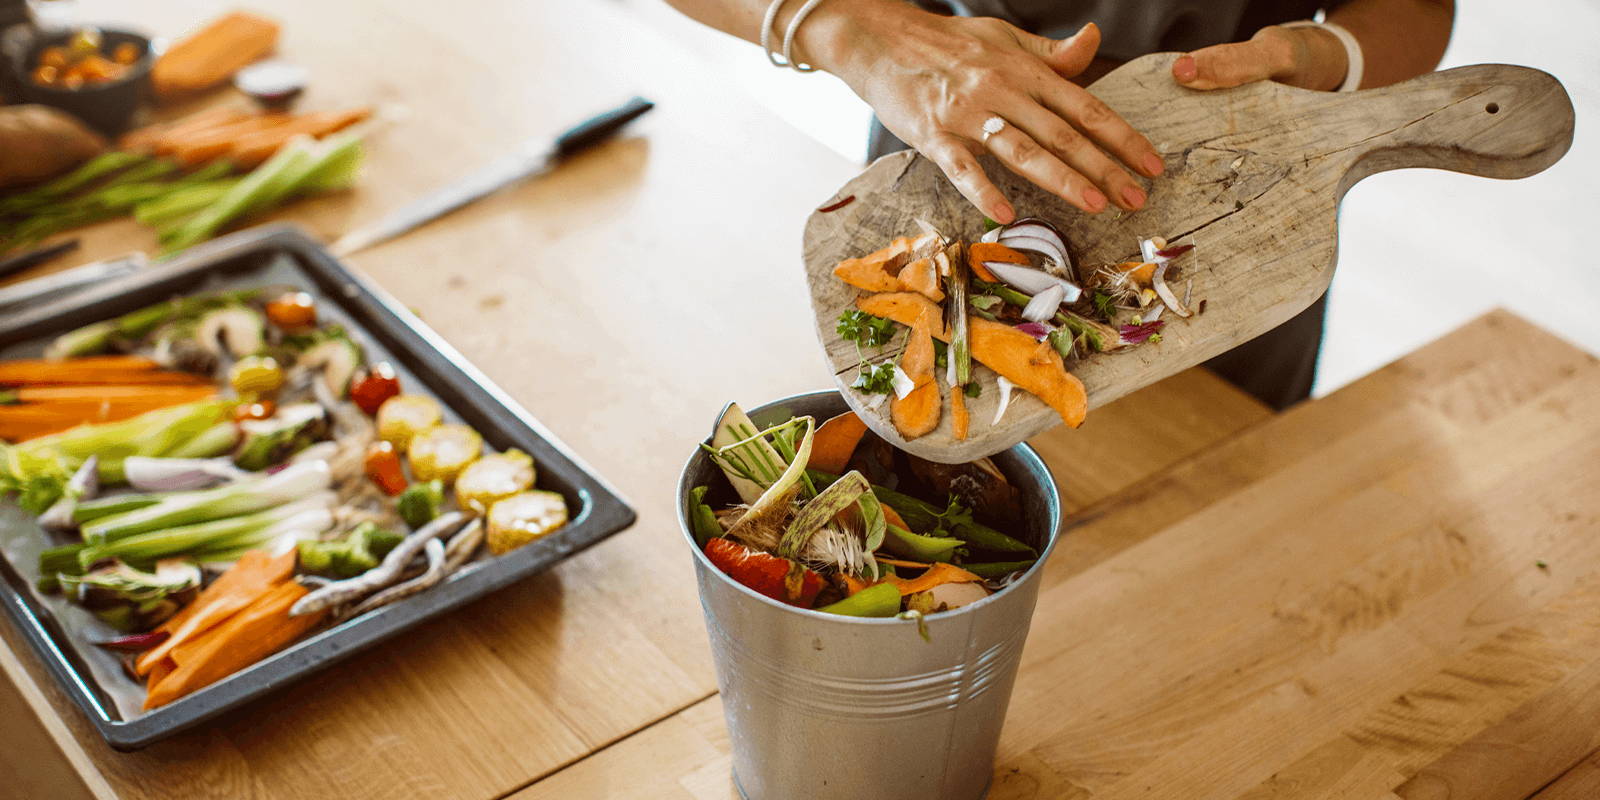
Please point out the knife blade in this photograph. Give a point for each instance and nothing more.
(47, 287)
(533, 157)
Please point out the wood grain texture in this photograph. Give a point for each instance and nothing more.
(1341, 601)
(585, 295)
(1254, 179)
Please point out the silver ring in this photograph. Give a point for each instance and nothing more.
(992, 126)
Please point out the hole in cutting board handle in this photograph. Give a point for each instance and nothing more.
(1492, 108)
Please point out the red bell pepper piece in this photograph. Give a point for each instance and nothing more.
(778, 578)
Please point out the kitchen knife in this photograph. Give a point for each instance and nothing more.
(532, 158)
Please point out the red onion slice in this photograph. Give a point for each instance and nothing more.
(1174, 252)
(1034, 244)
(1033, 281)
(1038, 229)
(1044, 304)
(1158, 281)
(1038, 330)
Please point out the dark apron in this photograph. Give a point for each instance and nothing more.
(1279, 366)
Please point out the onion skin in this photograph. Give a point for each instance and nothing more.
(1159, 283)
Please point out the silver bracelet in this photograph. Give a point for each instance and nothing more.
(766, 32)
(1355, 63)
(794, 27)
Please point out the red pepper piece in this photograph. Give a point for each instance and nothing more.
(378, 384)
(778, 578)
(383, 468)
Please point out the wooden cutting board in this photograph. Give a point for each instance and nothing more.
(1254, 176)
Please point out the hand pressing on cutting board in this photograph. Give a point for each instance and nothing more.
(956, 87)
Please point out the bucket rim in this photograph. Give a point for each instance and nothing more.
(1022, 450)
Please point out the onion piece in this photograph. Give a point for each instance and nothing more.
(1158, 281)
(1044, 304)
(1038, 229)
(1155, 313)
(1147, 251)
(179, 474)
(902, 383)
(1174, 252)
(1033, 244)
(877, 400)
(1005, 387)
(950, 368)
(1038, 330)
(1033, 281)
(992, 235)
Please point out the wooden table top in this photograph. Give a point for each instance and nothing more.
(1343, 600)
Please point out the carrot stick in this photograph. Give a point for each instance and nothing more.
(960, 420)
(254, 633)
(112, 392)
(247, 580)
(214, 143)
(835, 442)
(249, 151)
(150, 137)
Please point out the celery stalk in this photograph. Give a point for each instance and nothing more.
(264, 185)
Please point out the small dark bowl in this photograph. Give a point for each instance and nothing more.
(108, 106)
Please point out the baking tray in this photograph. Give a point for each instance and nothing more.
(282, 254)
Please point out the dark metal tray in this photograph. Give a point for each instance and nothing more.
(60, 631)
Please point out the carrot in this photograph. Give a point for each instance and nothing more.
(213, 54)
(1140, 272)
(125, 370)
(1000, 347)
(835, 442)
(113, 392)
(218, 141)
(936, 575)
(252, 149)
(960, 420)
(917, 414)
(878, 271)
(247, 580)
(150, 137)
(892, 517)
(922, 277)
(257, 631)
(41, 418)
(979, 252)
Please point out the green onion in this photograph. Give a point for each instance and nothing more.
(190, 508)
(312, 515)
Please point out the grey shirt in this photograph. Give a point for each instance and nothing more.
(1132, 28)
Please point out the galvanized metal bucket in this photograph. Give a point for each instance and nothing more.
(820, 705)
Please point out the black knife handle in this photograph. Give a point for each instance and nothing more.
(599, 127)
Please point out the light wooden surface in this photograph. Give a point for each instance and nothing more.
(1254, 179)
(1340, 602)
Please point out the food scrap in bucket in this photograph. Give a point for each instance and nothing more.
(829, 517)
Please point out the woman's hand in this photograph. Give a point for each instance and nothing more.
(934, 81)
(1306, 57)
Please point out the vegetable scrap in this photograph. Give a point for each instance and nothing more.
(208, 539)
(191, 179)
(798, 521)
(1011, 302)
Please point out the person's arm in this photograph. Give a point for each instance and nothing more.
(1399, 39)
(935, 80)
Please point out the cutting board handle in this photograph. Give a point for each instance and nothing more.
(1493, 120)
